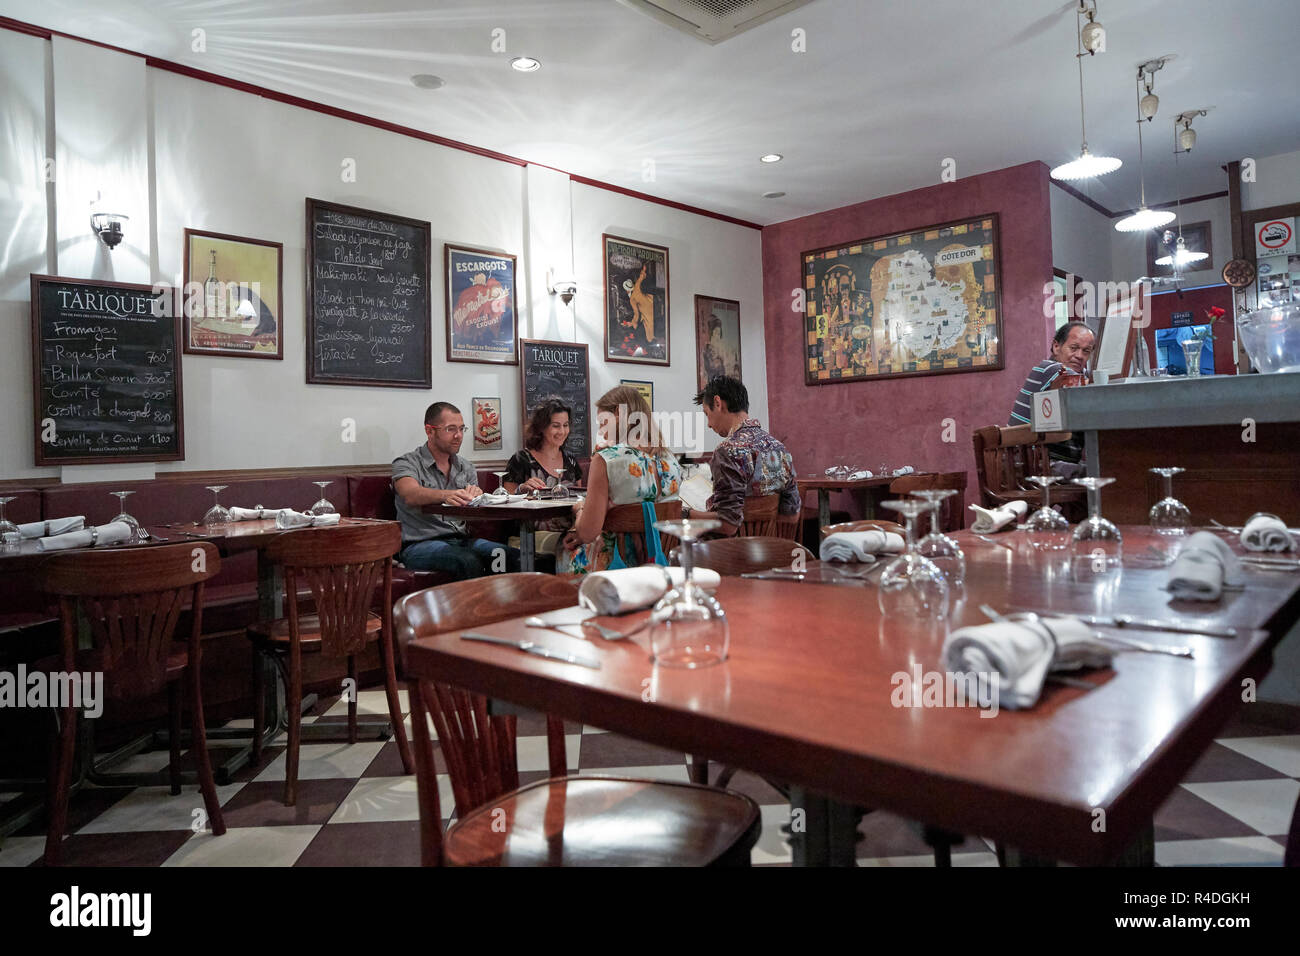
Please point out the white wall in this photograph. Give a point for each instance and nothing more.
(230, 162)
(1277, 181)
(1128, 249)
(1080, 237)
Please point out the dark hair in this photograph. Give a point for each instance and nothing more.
(546, 409)
(1063, 332)
(432, 413)
(731, 390)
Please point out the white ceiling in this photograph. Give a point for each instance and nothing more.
(885, 92)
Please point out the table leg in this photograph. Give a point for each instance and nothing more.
(823, 509)
(824, 832)
(526, 543)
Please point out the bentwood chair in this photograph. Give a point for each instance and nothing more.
(342, 567)
(573, 821)
(735, 556)
(952, 513)
(869, 524)
(758, 520)
(627, 524)
(128, 601)
(1004, 456)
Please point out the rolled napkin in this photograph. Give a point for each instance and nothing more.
(905, 470)
(1021, 654)
(114, 533)
(51, 528)
(255, 514)
(859, 545)
(1266, 533)
(860, 475)
(631, 589)
(290, 519)
(995, 519)
(1205, 565)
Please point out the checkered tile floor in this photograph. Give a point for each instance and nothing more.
(355, 808)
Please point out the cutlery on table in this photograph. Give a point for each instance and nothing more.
(1031, 616)
(608, 633)
(769, 576)
(532, 647)
(1142, 624)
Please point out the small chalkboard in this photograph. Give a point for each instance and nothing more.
(559, 368)
(368, 313)
(106, 373)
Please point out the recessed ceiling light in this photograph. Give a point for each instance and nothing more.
(526, 64)
(770, 158)
(427, 81)
(775, 194)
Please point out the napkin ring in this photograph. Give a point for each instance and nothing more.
(260, 512)
(48, 532)
(94, 536)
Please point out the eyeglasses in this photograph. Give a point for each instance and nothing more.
(450, 429)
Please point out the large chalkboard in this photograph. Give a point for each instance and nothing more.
(558, 368)
(106, 373)
(368, 313)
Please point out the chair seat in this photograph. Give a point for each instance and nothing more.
(277, 631)
(606, 821)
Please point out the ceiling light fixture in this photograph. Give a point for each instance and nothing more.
(427, 81)
(1179, 255)
(1091, 38)
(1144, 218)
(771, 158)
(1185, 138)
(525, 64)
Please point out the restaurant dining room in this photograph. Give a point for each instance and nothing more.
(954, 523)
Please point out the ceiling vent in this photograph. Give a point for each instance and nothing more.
(714, 20)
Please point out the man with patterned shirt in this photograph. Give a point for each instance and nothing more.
(748, 463)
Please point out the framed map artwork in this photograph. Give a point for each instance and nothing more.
(916, 303)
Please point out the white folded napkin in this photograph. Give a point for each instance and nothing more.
(859, 545)
(1204, 566)
(905, 470)
(631, 589)
(1266, 533)
(860, 475)
(114, 533)
(255, 514)
(995, 519)
(1021, 653)
(289, 519)
(51, 528)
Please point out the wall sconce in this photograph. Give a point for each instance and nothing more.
(565, 287)
(108, 227)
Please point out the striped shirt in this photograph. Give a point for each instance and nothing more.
(1040, 379)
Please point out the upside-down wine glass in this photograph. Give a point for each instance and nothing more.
(136, 531)
(912, 584)
(216, 515)
(322, 507)
(7, 527)
(1096, 545)
(1169, 515)
(937, 546)
(689, 628)
(1047, 528)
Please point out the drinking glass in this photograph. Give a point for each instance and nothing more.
(1096, 546)
(7, 545)
(912, 585)
(322, 507)
(136, 530)
(884, 471)
(216, 515)
(1047, 529)
(1169, 515)
(937, 546)
(689, 627)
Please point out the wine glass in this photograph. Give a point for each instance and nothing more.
(1096, 546)
(1047, 529)
(322, 507)
(885, 470)
(912, 585)
(689, 627)
(8, 544)
(1169, 515)
(937, 546)
(216, 515)
(136, 531)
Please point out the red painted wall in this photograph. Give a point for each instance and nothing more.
(900, 420)
(1196, 301)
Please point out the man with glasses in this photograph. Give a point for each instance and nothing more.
(435, 474)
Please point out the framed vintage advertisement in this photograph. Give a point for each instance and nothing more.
(717, 339)
(923, 302)
(487, 423)
(647, 390)
(234, 297)
(481, 324)
(636, 301)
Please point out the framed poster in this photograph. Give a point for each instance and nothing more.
(924, 302)
(481, 325)
(234, 296)
(487, 423)
(1196, 238)
(1115, 344)
(717, 339)
(647, 390)
(560, 369)
(636, 302)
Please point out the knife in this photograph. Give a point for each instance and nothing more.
(532, 647)
(1143, 624)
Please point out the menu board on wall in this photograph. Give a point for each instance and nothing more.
(106, 373)
(558, 368)
(368, 314)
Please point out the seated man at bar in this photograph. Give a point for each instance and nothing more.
(1068, 365)
(435, 474)
(748, 463)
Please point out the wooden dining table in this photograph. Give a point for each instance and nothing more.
(872, 490)
(808, 695)
(528, 513)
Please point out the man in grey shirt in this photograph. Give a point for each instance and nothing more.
(435, 474)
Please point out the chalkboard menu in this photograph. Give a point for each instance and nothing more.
(368, 313)
(559, 368)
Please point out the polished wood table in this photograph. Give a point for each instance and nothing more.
(807, 696)
(872, 489)
(527, 513)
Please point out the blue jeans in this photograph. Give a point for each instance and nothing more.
(459, 556)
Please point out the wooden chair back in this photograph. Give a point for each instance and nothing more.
(1004, 455)
(131, 599)
(870, 524)
(628, 523)
(758, 520)
(736, 556)
(952, 513)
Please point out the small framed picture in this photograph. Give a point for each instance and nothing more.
(481, 324)
(487, 423)
(636, 302)
(234, 297)
(717, 339)
(647, 390)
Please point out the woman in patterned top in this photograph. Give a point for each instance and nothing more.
(629, 466)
